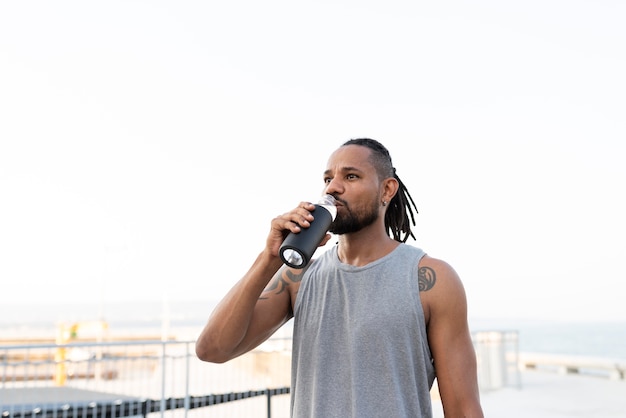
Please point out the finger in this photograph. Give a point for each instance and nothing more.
(290, 222)
(301, 215)
(325, 240)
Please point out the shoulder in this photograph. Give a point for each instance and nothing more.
(435, 269)
(289, 278)
(440, 286)
(286, 279)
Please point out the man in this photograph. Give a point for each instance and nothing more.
(375, 320)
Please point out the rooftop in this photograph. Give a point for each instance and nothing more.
(550, 395)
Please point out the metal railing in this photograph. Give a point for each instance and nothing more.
(145, 378)
(497, 354)
(139, 378)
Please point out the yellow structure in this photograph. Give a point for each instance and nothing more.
(91, 330)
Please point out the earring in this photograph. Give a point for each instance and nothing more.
(384, 203)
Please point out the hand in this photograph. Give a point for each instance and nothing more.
(292, 221)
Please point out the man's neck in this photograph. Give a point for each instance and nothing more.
(363, 247)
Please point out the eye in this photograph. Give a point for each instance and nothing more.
(352, 177)
(327, 180)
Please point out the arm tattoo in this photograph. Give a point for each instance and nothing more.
(426, 278)
(279, 284)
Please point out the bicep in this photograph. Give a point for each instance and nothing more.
(271, 311)
(448, 331)
(451, 344)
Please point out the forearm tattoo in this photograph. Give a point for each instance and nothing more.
(279, 283)
(426, 278)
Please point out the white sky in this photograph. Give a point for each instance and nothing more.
(145, 146)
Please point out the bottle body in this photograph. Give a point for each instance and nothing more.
(298, 248)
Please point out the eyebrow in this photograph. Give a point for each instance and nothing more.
(343, 170)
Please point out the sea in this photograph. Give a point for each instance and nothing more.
(185, 319)
(600, 339)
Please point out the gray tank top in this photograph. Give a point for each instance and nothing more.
(360, 347)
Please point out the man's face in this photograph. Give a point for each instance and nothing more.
(353, 180)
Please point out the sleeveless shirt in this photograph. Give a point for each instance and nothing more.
(360, 346)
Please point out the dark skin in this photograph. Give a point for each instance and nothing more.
(263, 299)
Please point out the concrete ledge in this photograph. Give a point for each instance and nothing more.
(572, 364)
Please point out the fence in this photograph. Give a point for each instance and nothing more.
(164, 378)
(140, 378)
(497, 355)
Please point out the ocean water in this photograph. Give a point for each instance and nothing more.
(185, 319)
(604, 339)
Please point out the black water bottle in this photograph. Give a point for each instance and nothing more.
(298, 248)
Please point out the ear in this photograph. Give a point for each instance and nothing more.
(389, 188)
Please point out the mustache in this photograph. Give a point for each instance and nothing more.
(343, 202)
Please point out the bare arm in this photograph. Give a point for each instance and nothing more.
(255, 307)
(242, 320)
(450, 341)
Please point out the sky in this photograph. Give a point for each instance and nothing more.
(145, 146)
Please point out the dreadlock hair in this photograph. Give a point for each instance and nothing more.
(402, 205)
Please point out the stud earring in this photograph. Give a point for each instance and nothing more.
(384, 203)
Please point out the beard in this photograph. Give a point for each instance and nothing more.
(354, 221)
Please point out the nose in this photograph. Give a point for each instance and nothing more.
(334, 187)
